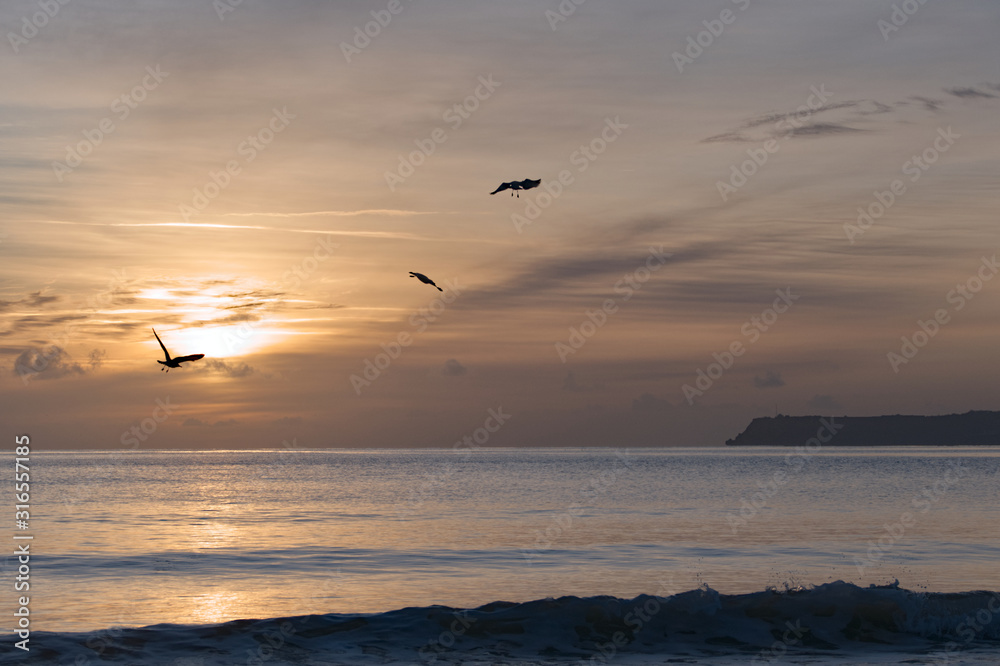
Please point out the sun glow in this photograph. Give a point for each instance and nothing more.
(220, 341)
(218, 317)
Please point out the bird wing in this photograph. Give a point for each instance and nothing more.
(503, 186)
(165, 352)
(192, 357)
(527, 184)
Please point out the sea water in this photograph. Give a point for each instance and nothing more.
(763, 555)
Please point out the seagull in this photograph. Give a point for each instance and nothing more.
(174, 362)
(426, 280)
(518, 185)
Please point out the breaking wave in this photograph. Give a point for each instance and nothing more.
(829, 622)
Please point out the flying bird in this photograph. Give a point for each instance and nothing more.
(426, 280)
(174, 362)
(517, 185)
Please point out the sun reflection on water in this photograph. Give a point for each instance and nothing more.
(218, 606)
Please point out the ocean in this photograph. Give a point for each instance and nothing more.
(511, 556)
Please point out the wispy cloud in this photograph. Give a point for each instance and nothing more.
(825, 403)
(452, 368)
(341, 213)
(969, 92)
(784, 124)
(34, 300)
(231, 370)
(771, 379)
(326, 232)
(51, 363)
(823, 129)
(647, 402)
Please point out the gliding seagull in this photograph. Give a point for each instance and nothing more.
(518, 185)
(174, 362)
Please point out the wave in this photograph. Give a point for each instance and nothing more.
(836, 620)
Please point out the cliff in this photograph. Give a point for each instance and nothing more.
(969, 429)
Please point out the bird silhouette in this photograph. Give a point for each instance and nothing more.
(517, 185)
(426, 280)
(174, 362)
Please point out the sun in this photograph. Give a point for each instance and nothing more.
(216, 318)
(221, 341)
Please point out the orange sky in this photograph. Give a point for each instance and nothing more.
(258, 192)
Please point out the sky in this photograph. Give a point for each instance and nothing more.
(747, 207)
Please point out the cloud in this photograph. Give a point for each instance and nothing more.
(823, 129)
(727, 137)
(968, 92)
(397, 235)
(33, 300)
(52, 363)
(288, 421)
(97, 357)
(453, 368)
(235, 318)
(928, 103)
(233, 370)
(824, 403)
(647, 402)
(783, 125)
(341, 213)
(570, 384)
(36, 322)
(198, 423)
(770, 379)
(557, 280)
(796, 124)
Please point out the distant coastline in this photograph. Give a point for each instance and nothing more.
(976, 428)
